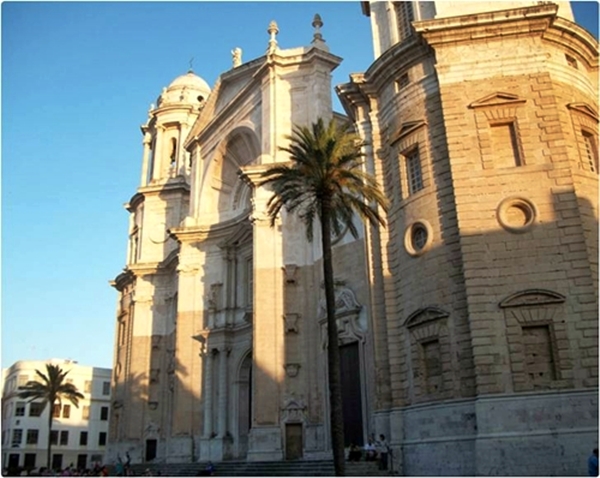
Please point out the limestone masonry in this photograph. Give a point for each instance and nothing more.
(468, 328)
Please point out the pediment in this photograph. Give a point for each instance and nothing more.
(406, 129)
(425, 315)
(497, 99)
(585, 109)
(532, 297)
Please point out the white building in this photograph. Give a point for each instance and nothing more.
(79, 435)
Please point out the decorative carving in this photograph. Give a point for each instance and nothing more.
(273, 30)
(317, 24)
(532, 297)
(236, 54)
(291, 323)
(345, 303)
(152, 405)
(292, 369)
(214, 297)
(117, 404)
(425, 315)
(290, 273)
(294, 410)
(347, 313)
(154, 373)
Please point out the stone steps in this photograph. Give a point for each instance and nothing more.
(261, 468)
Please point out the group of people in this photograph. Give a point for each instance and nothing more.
(374, 450)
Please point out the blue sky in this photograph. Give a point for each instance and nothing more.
(77, 81)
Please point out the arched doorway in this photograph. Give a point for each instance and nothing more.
(244, 404)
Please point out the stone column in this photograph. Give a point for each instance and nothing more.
(158, 156)
(223, 396)
(208, 384)
(265, 441)
(146, 159)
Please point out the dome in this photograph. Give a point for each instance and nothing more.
(190, 80)
(187, 89)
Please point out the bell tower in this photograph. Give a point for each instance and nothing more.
(391, 22)
(147, 309)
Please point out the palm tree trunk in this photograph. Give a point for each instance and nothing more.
(50, 413)
(333, 352)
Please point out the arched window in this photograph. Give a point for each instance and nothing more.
(173, 155)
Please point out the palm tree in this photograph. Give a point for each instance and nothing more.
(51, 389)
(326, 180)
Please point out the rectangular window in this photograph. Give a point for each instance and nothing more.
(64, 437)
(505, 145)
(591, 151)
(85, 412)
(413, 171)
(54, 437)
(105, 388)
(32, 437)
(36, 409)
(17, 437)
(104, 413)
(83, 436)
(402, 82)
(56, 410)
(121, 332)
(433, 365)
(87, 387)
(539, 360)
(102, 439)
(66, 411)
(20, 409)
(405, 15)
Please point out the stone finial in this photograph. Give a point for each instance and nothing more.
(273, 30)
(317, 24)
(236, 55)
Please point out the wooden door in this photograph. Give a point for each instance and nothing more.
(351, 394)
(293, 441)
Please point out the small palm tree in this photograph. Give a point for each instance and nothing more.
(50, 390)
(326, 180)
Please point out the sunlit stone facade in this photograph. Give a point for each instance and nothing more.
(468, 327)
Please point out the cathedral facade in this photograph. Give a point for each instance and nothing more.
(468, 327)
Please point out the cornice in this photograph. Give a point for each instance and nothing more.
(394, 59)
(203, 232)
(122, 280)
(575, 38)
(167, 265)
(171, 185)
(476, 27)
(252, 173)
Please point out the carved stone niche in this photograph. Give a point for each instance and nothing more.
(292, 369)
(213, 299)
(291, 323)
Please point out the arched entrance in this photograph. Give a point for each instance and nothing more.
(244, 404)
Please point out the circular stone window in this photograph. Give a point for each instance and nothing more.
(516, 214)
(418, 238)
